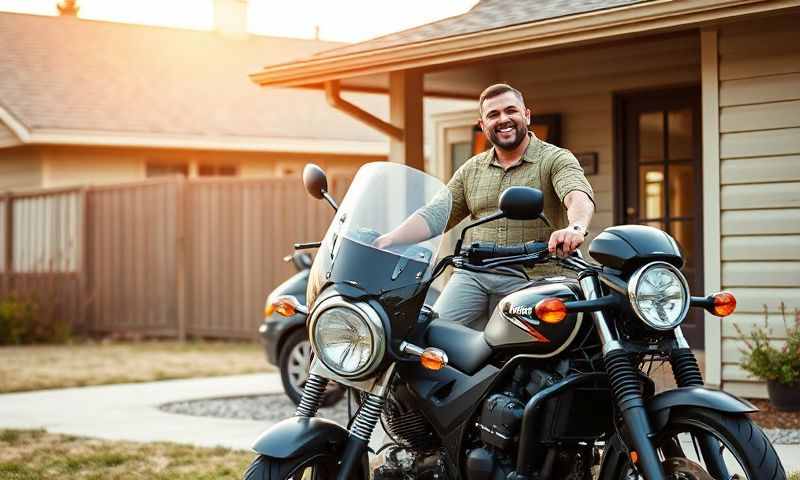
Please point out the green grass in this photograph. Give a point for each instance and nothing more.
(28, 368)
(27, 454)
(794, 476)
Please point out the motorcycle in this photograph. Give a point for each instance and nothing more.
(557, 385)
(285, 339)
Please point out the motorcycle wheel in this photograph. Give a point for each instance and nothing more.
(745, 450)
(293, 362)
(313, 467)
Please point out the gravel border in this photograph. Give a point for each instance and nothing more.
(272, 408)
(277, 406)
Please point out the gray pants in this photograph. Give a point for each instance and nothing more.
(469, 298)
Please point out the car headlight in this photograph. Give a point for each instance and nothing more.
(659, 295)
(347, 337)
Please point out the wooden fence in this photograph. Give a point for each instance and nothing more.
(169, 257)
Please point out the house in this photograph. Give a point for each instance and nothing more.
(686, 115)
(95, 102)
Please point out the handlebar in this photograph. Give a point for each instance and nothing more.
(478, 252)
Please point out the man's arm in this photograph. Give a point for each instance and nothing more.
(434, 216)
(580, 209)
(576, 194)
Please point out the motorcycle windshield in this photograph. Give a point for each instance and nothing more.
(384, 197)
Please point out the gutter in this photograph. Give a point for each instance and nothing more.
(333, 95)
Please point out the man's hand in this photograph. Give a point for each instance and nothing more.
(565, 241)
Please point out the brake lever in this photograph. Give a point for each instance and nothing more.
(305, 246)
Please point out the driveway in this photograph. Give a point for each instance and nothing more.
(130, 412)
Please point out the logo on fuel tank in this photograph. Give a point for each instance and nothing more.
(519, 310)
(522, 317)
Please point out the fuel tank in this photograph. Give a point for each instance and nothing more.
(515, 325)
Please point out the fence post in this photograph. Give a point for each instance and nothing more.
(180, 255)
(86, 293)
(8, 254)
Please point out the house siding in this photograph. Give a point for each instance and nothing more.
(759, 123)
(20, 168)
(580, 84)
(73, 166)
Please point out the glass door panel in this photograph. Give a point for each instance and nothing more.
(662, 176)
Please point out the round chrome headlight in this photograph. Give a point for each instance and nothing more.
(347, 337)
(659, 295)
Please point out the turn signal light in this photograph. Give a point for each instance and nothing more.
(284, 305)
(551, 310)
(433, 359)
(634, 457)
(724, 304)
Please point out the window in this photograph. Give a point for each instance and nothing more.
(217, 170)
(155, 169)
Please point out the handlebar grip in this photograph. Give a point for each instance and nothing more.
(483, 251)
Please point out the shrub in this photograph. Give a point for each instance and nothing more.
(16, 317)
(762, 359)
(22, 320)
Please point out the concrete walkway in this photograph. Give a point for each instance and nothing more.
(130, 412)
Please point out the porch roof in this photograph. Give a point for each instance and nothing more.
(494, 29)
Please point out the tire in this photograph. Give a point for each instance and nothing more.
(293, 362)
(265, 468)
(745, 443)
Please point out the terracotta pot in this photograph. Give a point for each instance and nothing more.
(784, 397)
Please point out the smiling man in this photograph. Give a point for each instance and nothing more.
(517, 158)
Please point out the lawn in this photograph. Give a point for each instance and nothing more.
(57, 366)
(29, 455)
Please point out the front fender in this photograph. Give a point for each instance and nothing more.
(660, 405)
(298, 435)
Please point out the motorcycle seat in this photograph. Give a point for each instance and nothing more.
(466, 348)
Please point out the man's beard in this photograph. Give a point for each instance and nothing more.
(520, 132)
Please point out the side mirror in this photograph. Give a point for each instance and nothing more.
(521, 203)
(315, 181)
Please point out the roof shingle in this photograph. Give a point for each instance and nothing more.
(83, 75)
(486, 15)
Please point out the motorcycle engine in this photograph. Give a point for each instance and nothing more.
(495, 446)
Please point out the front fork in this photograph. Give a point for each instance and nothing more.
(625, 385)
(367, 417)
(624, 381)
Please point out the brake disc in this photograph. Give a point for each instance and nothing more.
(679, 468)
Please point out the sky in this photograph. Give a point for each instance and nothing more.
(339, 20)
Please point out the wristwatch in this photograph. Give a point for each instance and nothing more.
(580, 228)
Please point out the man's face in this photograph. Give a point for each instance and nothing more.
(505, 121)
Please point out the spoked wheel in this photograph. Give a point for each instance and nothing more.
(317, 467)
(701, 444)
(294, 362)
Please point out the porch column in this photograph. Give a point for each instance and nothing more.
(405, 112)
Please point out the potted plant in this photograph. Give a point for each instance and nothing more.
(778, 365)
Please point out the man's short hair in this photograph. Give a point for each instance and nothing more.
(495, 90)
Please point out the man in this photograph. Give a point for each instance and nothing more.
(517, 158)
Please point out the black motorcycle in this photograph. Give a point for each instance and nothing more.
(554, 388)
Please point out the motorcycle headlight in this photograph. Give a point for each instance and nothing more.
(347, 337)
(659, 295)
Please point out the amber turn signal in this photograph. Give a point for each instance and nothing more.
(433, 359)
(284, 305)
(724, 304)
(634, 457)
(551, 310)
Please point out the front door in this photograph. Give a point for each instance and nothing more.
(662, 180)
